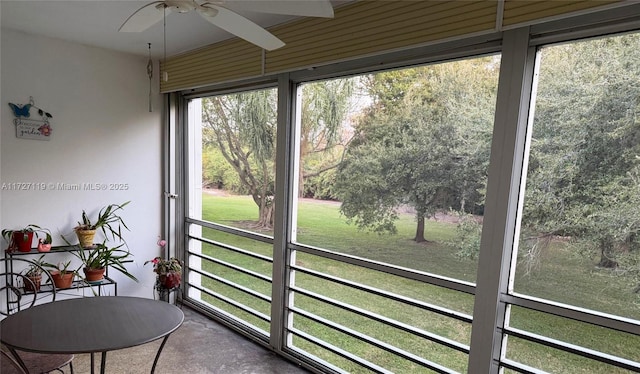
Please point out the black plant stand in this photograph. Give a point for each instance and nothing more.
(164, 293)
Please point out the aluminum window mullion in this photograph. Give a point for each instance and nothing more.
(283, 199)
(502, 199)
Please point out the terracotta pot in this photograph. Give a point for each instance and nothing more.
(22, 240)
(93, 275)
(32, 287)
(170, 280)
(62, 280)
(85, 237)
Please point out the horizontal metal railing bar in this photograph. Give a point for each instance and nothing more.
(340, 352)
(232, 266)
(232, 302)
(375, 342)
(311, 359)
(233, 249)
(231, 230)
(437, 280)
(522, 368)
(403, 299)
(575, 349)
(387, 321)
(244, 328)
(572, 312)
(233, 285)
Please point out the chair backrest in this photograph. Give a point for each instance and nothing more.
(8, 365)
(17, 290)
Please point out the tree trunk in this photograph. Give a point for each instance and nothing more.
(304, 144)
(266, 215)
(607, 255)
(420, 229)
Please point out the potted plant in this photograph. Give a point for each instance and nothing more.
(97, 259)
(33, 275)
(61, 275)
(108, 220)
(22, 239)
(169, 272)
(44, 245)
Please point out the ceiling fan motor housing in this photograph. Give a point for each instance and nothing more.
(180, 6)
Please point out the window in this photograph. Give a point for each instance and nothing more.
(391, 172)
(579, 254)
(232, 158)
(354, 245)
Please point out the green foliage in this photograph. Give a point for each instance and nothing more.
(583, 178)
(7, 234)
(424, 142)
(563, 278)
(324, 133)
(102, 256)
(242, 127)
(36, 267)
(107, 220)
(62, 268)
(321, 186)
(218, 173)
(368, 198)
(467, 236)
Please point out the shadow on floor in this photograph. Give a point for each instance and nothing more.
(199, 346)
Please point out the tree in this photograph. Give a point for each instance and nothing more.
(323, 136)
(583, 169)
(423, 142)
(243, 128)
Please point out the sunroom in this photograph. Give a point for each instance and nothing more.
(403, 187)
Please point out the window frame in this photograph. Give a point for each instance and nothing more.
(508, 160)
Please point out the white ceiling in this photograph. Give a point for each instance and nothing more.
(96, 23)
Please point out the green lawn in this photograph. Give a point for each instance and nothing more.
(562, 277)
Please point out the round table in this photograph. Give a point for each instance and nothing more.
(90, 325)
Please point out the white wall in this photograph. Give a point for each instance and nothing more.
(102, 133)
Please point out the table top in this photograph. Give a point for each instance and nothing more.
(91, 324)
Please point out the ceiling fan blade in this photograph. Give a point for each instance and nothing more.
(240, 26)
(304, 8)
(144, 17)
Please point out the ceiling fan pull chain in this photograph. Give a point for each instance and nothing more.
(150, 75)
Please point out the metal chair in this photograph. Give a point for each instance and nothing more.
(18, 292)
(8, 365)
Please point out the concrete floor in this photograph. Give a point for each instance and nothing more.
(199, 346)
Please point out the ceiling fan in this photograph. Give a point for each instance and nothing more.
(218, 14)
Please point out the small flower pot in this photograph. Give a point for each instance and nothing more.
(22, 240)
(85, 237)
(93, 275)
(42, 247)
(32, 283)
(62, 280)
(170, 280)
